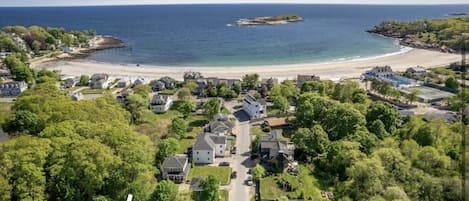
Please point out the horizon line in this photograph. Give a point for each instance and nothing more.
(237, 3)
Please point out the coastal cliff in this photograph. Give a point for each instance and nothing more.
(269, 20)
(439, 34)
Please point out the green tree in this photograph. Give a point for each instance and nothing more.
(281, 103)
(412, 96)
(178, 128)
(27, 122)
(167, 147)
(395, 193)
(186, 107)
(387, 114)
(350, 120)
(378, 128)
(143, 90)
(165, 191)
(36, 46)
(313, 141)
(84, 80)
(212, 107)
(184, 94)
(366, 177)
(137, 105)
(451, 82)
(210, 189)
(191, 85)
(258, 172)
(250, 81)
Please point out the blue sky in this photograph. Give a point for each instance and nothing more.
(136, 2)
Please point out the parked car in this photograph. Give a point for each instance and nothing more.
(224, 164)
(233, 151)
(234, 174)
(249, 171)
(249, 181)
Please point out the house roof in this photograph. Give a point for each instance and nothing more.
(251, 98)
(159, 99)
(274, 141)
(208, 141)
(178, 161)
(276, 121)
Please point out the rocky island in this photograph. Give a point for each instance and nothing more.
(439, 34)
(269, 20)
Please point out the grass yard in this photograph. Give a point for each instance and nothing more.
(306, 185)
(169, 91)
(221, 173)
(224, 195)
(256, 130)
(93, 91)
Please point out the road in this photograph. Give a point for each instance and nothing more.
(239, 191)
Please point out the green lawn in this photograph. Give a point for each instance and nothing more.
(93, 91)
(256, 130)
(221, 173)
(307, 185)
(224, 194)
(156, 127)
(169, 91)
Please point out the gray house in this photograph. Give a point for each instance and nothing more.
(99, 81)
(161, 103)
(220, 125)
(275, 150)
(12, 88)
(158, 86)
(176, 168)
(169, 82)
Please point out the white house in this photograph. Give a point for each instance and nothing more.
(385, 74)
(255, 108)
(161, 103)
(207, 147)
(99, 81)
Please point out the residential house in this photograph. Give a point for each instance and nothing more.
(276, 122)
(275, 150)
(255, 108)
(13, 88)
(99, 81)
(220, 125)
(208, 146)
(169, 82)
(161, 103)
(385, 74)
(301, 79)
(158, 86)
(416, 71)
(139, 81)
(68, 49)
(71, 82)
(176, 168)
(192, 76)
(123, 83)
(269, 82)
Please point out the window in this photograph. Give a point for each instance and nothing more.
(197, 158)
(208, 159)
(208, 152)
(221, 146)
(221, 152)
(197, 152)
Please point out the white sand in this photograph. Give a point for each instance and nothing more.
(333, 70)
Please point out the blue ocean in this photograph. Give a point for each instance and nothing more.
(198, 35)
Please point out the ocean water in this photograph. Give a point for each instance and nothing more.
(198, 35)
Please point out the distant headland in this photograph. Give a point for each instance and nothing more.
(269, 20)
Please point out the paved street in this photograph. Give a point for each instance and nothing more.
(239, 191)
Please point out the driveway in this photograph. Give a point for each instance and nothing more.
(239, 191)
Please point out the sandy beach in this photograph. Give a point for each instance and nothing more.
(332, 70)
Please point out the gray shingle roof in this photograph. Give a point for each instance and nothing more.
(175, 161)
(207, 141)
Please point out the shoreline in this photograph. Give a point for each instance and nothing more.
(331, 70)
(103, 42)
